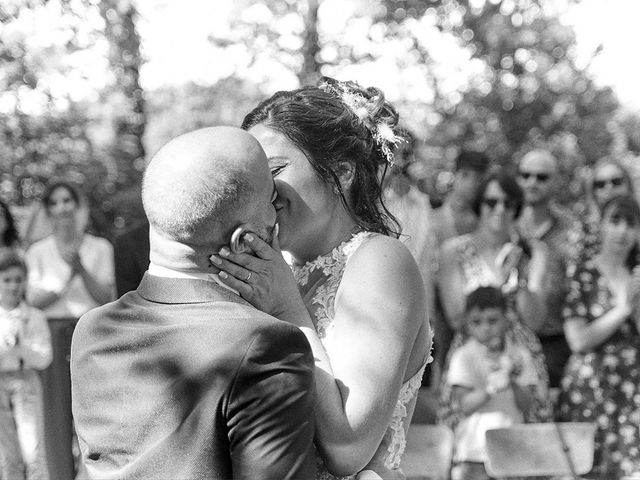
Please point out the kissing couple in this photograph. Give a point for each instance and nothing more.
(230, 362)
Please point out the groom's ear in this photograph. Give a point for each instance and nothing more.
(236, 244)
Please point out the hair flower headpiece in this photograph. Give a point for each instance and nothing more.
(381, 131)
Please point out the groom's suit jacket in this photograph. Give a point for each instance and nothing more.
(182, 380)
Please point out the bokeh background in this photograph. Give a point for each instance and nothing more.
(90, 89)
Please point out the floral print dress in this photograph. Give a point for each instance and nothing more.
(603, 385)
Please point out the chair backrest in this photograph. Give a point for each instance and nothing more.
(428, 453)
(536, 449)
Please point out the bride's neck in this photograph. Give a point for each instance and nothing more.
(325, 241)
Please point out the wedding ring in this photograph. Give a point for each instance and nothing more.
(248, 277)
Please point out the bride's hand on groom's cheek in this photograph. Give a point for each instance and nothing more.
(262, 277)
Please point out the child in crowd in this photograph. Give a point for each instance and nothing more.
(493, 381)
(25, 347)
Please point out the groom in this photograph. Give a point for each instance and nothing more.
(182, 379)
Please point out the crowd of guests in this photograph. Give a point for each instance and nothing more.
(537, 309)
(44, 288)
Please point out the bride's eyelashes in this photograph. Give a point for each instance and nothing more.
(277, 167)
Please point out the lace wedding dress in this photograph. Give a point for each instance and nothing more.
(321, 278)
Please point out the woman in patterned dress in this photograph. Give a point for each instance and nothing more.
(609, 179)
(602, 378)
(491, 256)
(357, 294)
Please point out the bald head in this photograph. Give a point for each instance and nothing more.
(195, 185)
(539, 177)
(540, 159)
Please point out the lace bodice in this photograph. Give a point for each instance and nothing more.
(321, 304)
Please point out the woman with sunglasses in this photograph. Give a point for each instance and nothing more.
(493, 255)
(609, 179)
(601, 320)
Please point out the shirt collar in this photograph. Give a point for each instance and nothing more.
(165, 272)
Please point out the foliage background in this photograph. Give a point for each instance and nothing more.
(496, 75)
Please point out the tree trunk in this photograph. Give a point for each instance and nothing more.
(125, 59)
(310, 71)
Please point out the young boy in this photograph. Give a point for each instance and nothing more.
(492, 381)
(25, 347)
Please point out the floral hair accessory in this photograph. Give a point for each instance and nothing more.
(382, 132)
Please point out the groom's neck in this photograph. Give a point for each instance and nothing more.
(168, 253)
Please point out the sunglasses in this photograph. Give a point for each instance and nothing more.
(540, 177)
(614, 182)
(617, 219)
(493, 202)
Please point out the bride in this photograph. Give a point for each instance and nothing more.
(356, 291)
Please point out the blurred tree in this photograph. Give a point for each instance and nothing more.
(498, 75)
(128, 120)
(630, 124)
(44, 130)
(70, 103)
(293, 37)
(176, 110)
(527, 90)
(280, 33)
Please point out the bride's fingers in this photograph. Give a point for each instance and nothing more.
(244, 259)
(261, 248)
(243, 288)
(239, 272)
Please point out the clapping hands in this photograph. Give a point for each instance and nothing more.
(71, 254)
(508, 259)
(507, 371)
(498, 380)
(8, 335)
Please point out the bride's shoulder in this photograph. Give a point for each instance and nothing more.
(380, 252)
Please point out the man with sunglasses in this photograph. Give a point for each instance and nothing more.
(543, 221)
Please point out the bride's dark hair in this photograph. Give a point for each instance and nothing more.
(330, 132)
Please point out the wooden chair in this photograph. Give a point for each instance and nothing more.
(541, 449)
(429, 452)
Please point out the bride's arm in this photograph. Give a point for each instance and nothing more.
(379, 309)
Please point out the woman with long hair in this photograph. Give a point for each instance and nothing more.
(8, 232)
(601, 323)
(356, 291)
(69, 273)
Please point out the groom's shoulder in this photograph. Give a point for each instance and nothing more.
(222, 320)
(261, 326)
